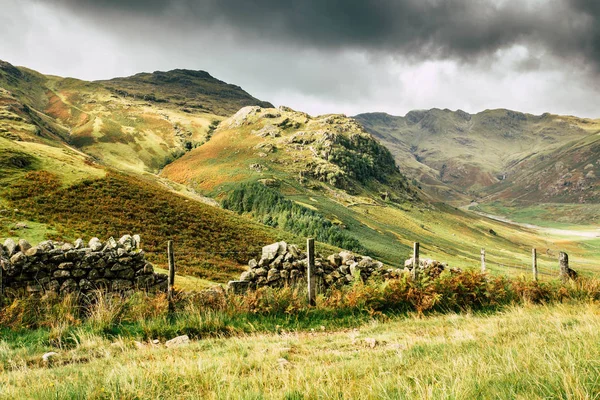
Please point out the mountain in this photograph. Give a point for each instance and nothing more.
(182, 156)
(495, 154)
(139, 123)
(75, 157)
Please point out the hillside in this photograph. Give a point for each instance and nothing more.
(496, 156)
(260, 154)
(73, 163)
(472, 153)
(79, 159)
(138, 124)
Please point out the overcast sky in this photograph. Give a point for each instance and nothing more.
(324, 56)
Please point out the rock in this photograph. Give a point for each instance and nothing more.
(61, 273)
(335, 260)
(247, 276)
(273, 250)
(85, 285)
(95, 244)
(273, 275)
(179, 341)
(68, 286)
(78, 244)
(277, 262)
(34, 251)
(111, 244)
(66, 265)
(252, 263)
(10, 246)
(138, 241)
(347, 256)
(67, 247)
(127, 242)
(18, 259)
(120, 285)
(21, 225)
(294, 251)
(47, 357)
(24, 245)
(78, 273)
(261, 272)
(34, 288)
(237, 287)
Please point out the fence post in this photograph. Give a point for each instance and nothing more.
(310, 250)
(563, 262)
(415, 273)
(483, 261)
(171, 281)
(1, 286)
(534, 264)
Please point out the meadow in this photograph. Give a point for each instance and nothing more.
(459, 336)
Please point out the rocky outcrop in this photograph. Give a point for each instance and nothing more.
(59, 267)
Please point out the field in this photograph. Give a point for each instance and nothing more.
(525, 352)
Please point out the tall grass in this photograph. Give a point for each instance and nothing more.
(215, 312)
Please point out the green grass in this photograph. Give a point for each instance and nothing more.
(552, 215)
(523, 352)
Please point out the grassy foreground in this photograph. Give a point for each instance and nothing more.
(465, 335)
(525, 352)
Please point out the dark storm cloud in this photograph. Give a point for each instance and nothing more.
(414, 29)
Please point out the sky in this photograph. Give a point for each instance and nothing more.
(330, 56)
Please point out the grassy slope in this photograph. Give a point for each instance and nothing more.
(120, 122)
(385, 228)
(525, 352)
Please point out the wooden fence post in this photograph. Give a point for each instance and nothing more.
(1, 285)
(563, 262)
(310, 250)
(483, 261)
(171, 282)
(415, 272)
(534, 264)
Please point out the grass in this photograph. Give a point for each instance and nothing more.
(550, 215)
(526, 351)
(210, 243)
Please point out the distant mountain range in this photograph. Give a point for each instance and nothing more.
(495, 154)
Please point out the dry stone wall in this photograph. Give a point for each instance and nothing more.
(114, 265)
(283, 264)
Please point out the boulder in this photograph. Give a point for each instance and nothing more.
(18, 259)
(271, 251)
(47, 357)
(137, 241)
(78, 244)
(111, 244)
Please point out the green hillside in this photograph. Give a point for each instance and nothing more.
(294, 154)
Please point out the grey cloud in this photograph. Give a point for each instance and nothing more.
(415, 29)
